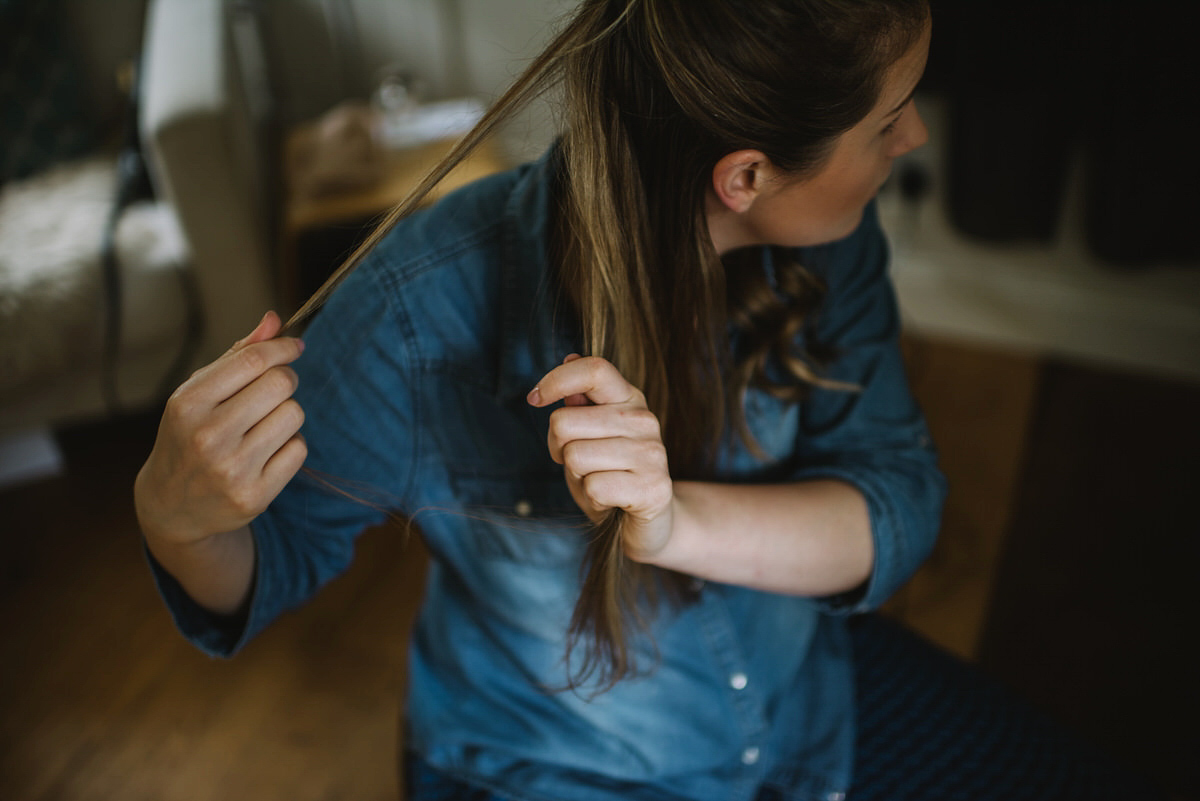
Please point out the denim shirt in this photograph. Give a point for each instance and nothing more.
(414, 381)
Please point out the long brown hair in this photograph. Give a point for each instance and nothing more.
(655, 93)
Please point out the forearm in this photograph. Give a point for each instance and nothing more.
(217, 572)
(806, 538)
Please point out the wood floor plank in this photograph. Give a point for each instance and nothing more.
(104, 699)
(979, 403)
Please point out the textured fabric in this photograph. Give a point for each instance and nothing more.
(934, 729)
(414, 381)
(930, 729)
(423, 783)
(51, 298)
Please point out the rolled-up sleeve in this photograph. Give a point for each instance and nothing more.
(360, 421)
(874, 438)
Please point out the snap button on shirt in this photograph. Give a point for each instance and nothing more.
(524, 508)
(738, 681)
(750, 756)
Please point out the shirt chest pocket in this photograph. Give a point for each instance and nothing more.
(528, 519)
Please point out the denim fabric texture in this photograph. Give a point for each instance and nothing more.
(414, 381)
(929, 728)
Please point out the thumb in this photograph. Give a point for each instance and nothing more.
(267, 328)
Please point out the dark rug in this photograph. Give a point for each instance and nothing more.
(1096, 601)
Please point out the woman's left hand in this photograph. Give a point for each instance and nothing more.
(610, 446)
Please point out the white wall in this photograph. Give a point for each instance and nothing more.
(499, 39)
(336, 49)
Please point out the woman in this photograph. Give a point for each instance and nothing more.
(737, 464)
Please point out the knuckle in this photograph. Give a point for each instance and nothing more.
(571, 454)
(252, 359)
(205, 439)
(245, 501)
(605, 490)
(282, 380)
(594, 489)
(654, 453)
(295, 413)
(182, 395)
(199, 373)
(558, 424)
(663, 491)
(644, 422)
(178, 409)
(293, 455)
(227, 474)
(597, 367)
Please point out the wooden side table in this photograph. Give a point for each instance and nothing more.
(318, 233)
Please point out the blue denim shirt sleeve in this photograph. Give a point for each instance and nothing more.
(454, 312)
(874, 438)
(355, 476)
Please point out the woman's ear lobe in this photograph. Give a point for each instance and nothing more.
(737, 179)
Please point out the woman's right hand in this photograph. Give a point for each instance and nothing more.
(228, 442)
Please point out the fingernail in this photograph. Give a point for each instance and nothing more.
(534, 398)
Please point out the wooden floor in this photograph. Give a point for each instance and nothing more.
(102, 699)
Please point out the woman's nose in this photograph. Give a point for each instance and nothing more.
(915, 132)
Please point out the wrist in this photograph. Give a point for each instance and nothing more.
(161, 523)
(217, 572)
(679, 528)
(172, 550)
(150, 519)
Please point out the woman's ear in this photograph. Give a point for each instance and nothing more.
(738, 178)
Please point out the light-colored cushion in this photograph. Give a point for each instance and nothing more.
(52, 302)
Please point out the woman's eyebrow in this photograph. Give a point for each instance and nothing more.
(903, 102)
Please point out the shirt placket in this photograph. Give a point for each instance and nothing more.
(745, 696)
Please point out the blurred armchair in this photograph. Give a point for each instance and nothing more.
(221, 81)
(58, 70)
(207, 145)
(206, 131)
(225, 79)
